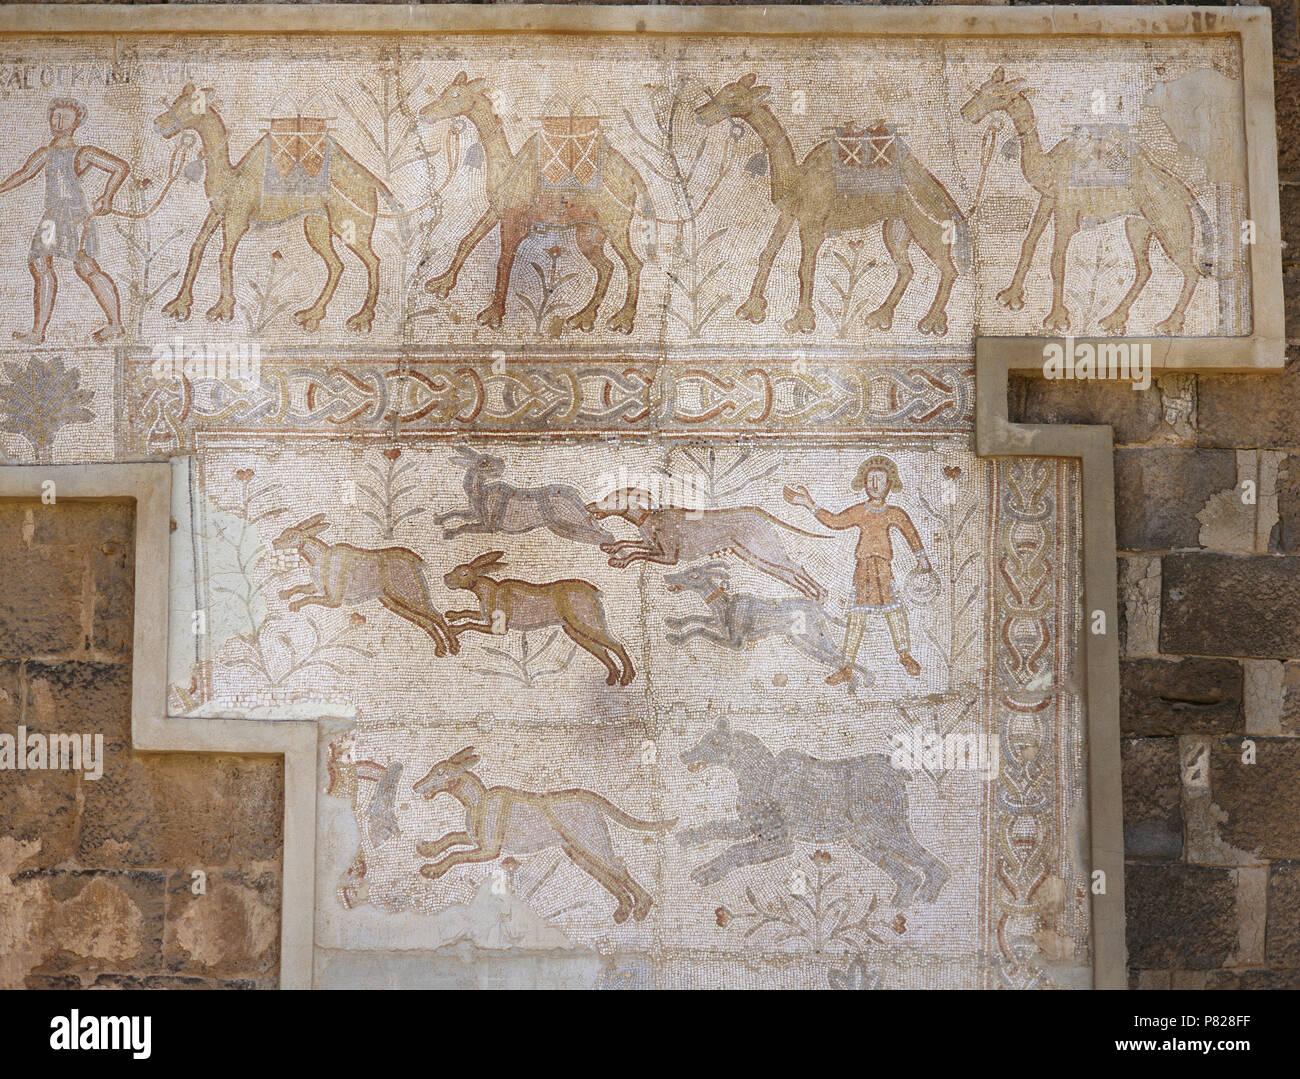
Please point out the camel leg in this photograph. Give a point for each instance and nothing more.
(179, 308)
(620, 240)
(929, 234)
(591, 242)
(365, 251)
(755, 308)
(442, 285)
(321, 239)
(810, 241)
(1177, 237)
(232, 231)
(1058, 318)
(1138, 233)
(896, 240)
(1013, 296)
(514, 227)
(590, 644)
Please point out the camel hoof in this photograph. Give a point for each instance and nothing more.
(361, 321)
(1114, 323)
(1012, 298)
(178, 309)
(611, 679)
(753, 310)
(640, 911)
(1057, 323)
(490, 317)
(880, 319)
(628, 675)
(622, 322)
(622, 913)
(440, 287)
(223, 311)
(309, 320)
(936, 324)
(801, 322)
(583, 320)
(1173, 325)
(431, 871)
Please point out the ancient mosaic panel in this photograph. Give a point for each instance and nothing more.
(580, 430)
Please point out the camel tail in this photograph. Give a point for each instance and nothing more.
(933, 200)
(635, 824)
(1206, 246)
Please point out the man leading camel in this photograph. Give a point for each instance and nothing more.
(873, 577)
(67, 228)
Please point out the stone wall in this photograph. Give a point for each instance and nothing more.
(1210, 652)
(96, 875)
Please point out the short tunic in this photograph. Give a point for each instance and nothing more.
(873, 578)
(74, 235)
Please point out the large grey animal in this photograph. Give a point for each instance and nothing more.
(502, 507)
(736, 620)
(671, 534)
(782, 797)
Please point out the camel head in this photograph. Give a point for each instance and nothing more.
(298, 535)
(446, 775)
(994, 95)
(738, 98)
(185, 112)
(460, 98)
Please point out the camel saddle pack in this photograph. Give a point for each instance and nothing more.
(568, 153)
(868, 158)
(1102, 155)
(298, 158)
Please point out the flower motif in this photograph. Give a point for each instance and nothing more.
(951, 471)
(821, 857)
(855, 977)
(243, 475)
(554, 253)
(392, 453)
(356, 619)
(900, 924)
(723, 916)
(276, 256)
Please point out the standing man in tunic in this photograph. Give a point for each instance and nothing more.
(873, 577)
(66, 229)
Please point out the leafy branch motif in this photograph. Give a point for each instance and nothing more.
(269, 651)
(41, 399)
(269, 301)
(386, 493)
(551, 284)
(675, 160)
(528, 666)
(142, 249)
(819, 911)
(955, 515)
(716, 481)
(856, 267)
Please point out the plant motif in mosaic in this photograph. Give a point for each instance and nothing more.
(40, 399)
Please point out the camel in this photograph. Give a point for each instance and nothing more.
(346, 206)
(806, 194)
(1152, 200)
(518, 200)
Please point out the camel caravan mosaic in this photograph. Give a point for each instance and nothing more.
(580, 429)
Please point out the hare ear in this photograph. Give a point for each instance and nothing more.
(466, 757)
(312, 521)
(491, 558)
(748, 80)
(460, 79)
(189, 89)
